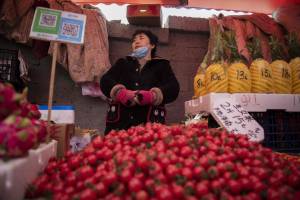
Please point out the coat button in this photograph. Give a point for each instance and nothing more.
(131, 117)
(113, 109)
(137, 69)
(136, 84)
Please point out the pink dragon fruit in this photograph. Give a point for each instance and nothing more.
(9, 100)
(34, 112)
(18, 122)
(20, 142)
(41, 129)
(5, 130)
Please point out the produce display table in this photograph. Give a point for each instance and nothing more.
(16, 174)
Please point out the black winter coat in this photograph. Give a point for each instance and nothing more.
(126, 71)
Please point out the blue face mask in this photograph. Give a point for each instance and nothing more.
(140, 52)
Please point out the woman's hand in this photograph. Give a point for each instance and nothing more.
(144, 97)
(126, 97)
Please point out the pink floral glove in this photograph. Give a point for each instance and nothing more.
(125, 97)
(145, 97)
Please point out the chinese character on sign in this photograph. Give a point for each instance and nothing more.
(243, 125)
(249, 118)
(229, 110)
(224, 118)
(234, 130)
(239, 119)
(219, 113)
(251, 134)
(226, 105)
(240, 109)
(227, 123)
(257, 130)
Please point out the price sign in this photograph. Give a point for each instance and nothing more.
(57, 25)
(231, 115)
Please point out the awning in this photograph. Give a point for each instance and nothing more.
(256, 6)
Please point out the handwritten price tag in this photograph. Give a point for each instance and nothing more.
(231, 115)
(248, 100)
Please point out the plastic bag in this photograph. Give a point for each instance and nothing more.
(92, 89)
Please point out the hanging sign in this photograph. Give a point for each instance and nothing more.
(57, 25)
(232, 116)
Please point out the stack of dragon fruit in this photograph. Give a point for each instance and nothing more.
(20, 127)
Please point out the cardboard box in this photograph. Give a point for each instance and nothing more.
(145, 15)
(62, 133)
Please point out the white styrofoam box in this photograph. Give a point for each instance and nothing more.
(16, 174)
(59, 114)
(41, 155)
(251, 102)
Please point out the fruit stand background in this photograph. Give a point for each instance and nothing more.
(184, 44)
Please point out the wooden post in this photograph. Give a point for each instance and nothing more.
(52, 80)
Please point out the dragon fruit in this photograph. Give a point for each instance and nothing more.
(18, 121)
(5, 130)
(29, 110)
(9, 100)
(34, 111)
(41, 129)
(20, 142)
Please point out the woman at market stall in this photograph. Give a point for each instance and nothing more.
(139, 85)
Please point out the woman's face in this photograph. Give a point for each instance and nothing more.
(141, 40)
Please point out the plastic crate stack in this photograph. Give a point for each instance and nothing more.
(9, 68)
(282, 130)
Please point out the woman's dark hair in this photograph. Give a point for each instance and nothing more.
(152, 37)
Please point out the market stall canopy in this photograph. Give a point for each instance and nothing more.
(256, 6)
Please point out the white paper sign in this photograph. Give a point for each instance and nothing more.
(232, 116)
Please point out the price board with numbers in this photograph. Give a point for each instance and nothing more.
(57, 25)
(232, 116)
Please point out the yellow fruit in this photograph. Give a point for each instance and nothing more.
(216, 79)
(261, 76)
(295, 67)
(199, 85)
(282, 77)
(239, 78)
